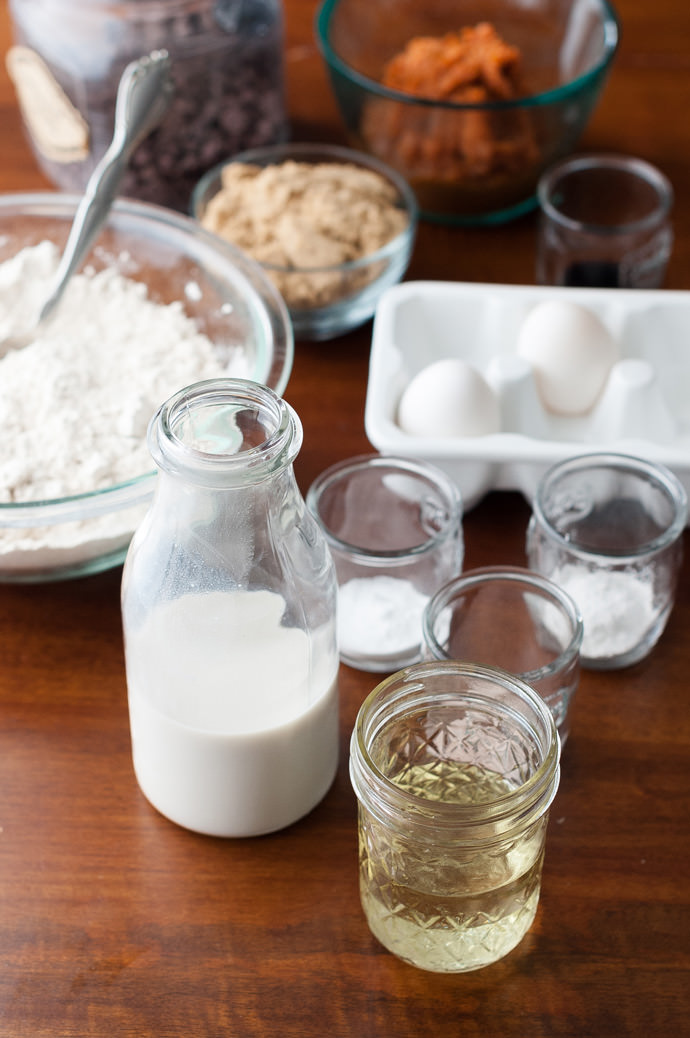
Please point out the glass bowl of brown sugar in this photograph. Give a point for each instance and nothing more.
(332, 228)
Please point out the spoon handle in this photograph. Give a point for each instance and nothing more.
(143, 96)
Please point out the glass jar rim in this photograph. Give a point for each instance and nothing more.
(421, 470)
(230, 465)
(659, 474)
(633, 167)
(487, 822)
(560, 94)
(519, 577)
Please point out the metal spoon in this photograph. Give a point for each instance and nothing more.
(143, 95)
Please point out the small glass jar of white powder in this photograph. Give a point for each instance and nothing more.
(394, 528)
(608, 529)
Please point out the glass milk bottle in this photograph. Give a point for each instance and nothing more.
(228, 606)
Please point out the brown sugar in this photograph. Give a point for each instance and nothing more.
(306, 220)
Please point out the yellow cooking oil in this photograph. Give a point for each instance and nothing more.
(442, 907)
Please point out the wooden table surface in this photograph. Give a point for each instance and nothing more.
(116, 923)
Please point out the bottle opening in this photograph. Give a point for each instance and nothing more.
(224, 431)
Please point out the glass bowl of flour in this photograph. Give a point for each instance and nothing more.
(157, 305)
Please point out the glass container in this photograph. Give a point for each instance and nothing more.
(327, 295)
(512, 618)
(608, 529)
(472, 145)
(394, 528)
(227, 69)
(77, 512)
(455, 767)
(604, 223)
(228, 606)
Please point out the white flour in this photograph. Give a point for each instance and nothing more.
(76, 401)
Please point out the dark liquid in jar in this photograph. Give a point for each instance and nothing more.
(593, 274)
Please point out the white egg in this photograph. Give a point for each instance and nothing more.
(571, 353)
(449, 398)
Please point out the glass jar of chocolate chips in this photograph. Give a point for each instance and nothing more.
(227, 67)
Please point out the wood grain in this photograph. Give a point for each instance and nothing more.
(116, 923)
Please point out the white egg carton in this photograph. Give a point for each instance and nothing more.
(644, 408)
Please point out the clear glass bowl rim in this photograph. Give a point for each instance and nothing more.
(557, 95)
(270, 154)
(131, 492)
(521, 577)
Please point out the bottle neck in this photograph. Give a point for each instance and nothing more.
(225, 434)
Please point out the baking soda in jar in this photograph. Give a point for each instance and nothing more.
(608, 528)
(394, 528)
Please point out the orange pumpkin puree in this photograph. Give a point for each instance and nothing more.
(436, 144)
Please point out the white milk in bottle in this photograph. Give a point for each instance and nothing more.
(229, 621)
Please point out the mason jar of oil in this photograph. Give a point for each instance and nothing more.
(455, 767)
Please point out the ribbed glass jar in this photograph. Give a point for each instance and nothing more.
(455, 767)
(227, 69)
(228, 607)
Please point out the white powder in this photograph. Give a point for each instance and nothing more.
(76, 401)
(380, 619)
(617, 609)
